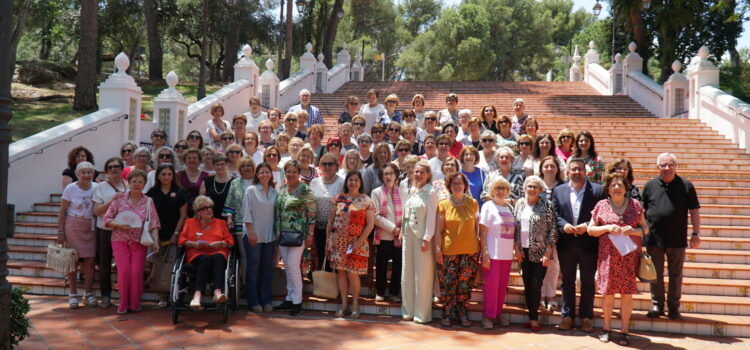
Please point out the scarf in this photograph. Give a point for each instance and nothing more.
(397, 208)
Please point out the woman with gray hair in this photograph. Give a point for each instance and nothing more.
(141, 159)
(504, 158)
(75, 223)
(535, 236)
(487, 160)
(364, 142)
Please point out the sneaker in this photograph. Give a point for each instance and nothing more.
(163, 303)
(566, 324)
(379, 297)
(586, 325)
(504, 320)
(90, 300)
(445, 322)
(256, 309)
(73, 301)
(106, 302)
(285, 306)
(552, 306)
(268, 308)
(487, 323)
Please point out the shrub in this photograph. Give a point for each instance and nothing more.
(19, 323)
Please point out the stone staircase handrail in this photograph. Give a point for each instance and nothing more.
(233, 97)
(598, 78)
(289, 88)
(726, 114)
(337, 77)
(646, 92)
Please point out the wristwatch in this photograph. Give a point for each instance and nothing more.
(694, 234)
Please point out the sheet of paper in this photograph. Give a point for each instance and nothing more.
(623, 244)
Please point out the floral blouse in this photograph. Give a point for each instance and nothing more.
(233, 204)
(595, 169)
(295, 211)
(542, 229)
(121, 204)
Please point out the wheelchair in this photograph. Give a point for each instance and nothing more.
(183, 287)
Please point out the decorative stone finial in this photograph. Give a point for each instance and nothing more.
(576, 56)
(676, 66)
(592, 44)
(269, 64)
(247, 50)
(122, 62)
(618, 57)
(358, 56)
(343, 46)
(632, 46)
(703, 52)
(308, 47)
(172, 79)
(320, 57)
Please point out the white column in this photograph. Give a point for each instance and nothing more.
(675, 92)
(591, 57)
(321, 75)
(343, 56)
(633, 63)
(358, 72)
(246, 68)
(121, 91)
(575, 69)
(269, 86)
(170, 110)
(701, 72)
(615, 76)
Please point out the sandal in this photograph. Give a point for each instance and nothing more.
(465, 322)
(446, 322)
(604, 336)
(624, 339)
(90, 300)
(73, 301)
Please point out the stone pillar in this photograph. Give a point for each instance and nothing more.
(321, 75)
(591, 57)
(358, 72)
(170, 111)
(245, 68)
(701, 72)
(120, 91)
(675, 90)
(633, 63)
(615, 76)
(269, 86)
(343, 56)
(575, 69)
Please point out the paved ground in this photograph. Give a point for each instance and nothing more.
(55, 326)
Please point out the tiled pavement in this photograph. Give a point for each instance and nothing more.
(57, 327)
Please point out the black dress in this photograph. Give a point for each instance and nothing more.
(218, 193)
(168, 207)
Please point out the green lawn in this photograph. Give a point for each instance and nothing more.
(31, 117)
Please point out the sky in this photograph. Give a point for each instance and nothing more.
(744, 40)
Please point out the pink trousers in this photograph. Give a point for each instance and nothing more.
(495, 286)
(130, 258)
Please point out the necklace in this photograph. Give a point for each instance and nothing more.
(117, 190)
(458, 202)
(223, 187)
(619, 209)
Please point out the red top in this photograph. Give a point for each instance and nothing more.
(456, 149)
(217, 231)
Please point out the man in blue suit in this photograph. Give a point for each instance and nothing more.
(574, 202)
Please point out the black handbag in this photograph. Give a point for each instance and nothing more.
(291, 238)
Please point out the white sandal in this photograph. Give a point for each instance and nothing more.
(73, 301)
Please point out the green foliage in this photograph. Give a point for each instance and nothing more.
(19, 323)
(736, 80)
(418, 15)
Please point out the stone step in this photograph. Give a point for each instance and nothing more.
(31, 239)
(49, 207)
(725, 209)
(731, 220)
(57, 286)
(723, 231)
(725, 243)
(718, 256)
(23, 252)
(723, 200)
(49, 217)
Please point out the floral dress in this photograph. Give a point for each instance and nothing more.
(350, 220)
(617, 273)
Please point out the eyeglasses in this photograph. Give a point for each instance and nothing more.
(291, 120)
(358, 124)
(114, 167)
(142, 156)
(354, 103)
(377, 132)
(430, 119)
(390, 173)
(666, 165)
(404, 150)
(127, 150)
(165, 156)
(193, 137)
(326, 164)
(444, 144)
(180, 147)
(159, 136)
(227, 138)
(488, 140)
(524, 143)
(504, 122)
(394, 129)
(234, 152)
(566, 137)
(205, 208)
(334, 145)
(272, 155)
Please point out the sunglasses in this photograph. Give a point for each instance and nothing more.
(272, 155)
(127, 150)
(205, 208)
(354, 103)
(404, 150)
(227, 138)
(430, 119)
(524, 143)
(335, 145)
(451, 100)
(159, 136)
(377, 132)
(358, 124)
(327, 163)
(194, 137)
(291, 120)
(488, 140)
(165, 156)
(364, 141)
(114, 167)
(566, 137)
(394, 130)
(234, 152)
(180, 147)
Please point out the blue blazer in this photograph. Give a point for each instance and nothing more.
(592, 194)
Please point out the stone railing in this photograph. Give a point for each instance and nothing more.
(289, 89)
(695, 94)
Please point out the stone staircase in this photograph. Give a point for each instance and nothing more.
(716, 295)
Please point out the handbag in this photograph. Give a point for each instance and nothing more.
(324, 282)
(646, 269)
(160, 277)
(291, 238)
(61, 259)
(146, 238)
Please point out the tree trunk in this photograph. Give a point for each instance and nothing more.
(232, 44)
(201, 93)
(287, 64)
(155, 53)
(85, 93)
(639, 37)
(16, 36)
(281, 46)
(330, 36)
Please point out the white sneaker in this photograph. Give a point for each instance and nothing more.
(379, 298)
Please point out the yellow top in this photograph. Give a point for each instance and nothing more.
(459, 231)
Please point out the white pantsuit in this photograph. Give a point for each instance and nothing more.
(418, 267)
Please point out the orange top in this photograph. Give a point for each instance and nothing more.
(217, 231)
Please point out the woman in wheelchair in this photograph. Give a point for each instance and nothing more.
(207, 241)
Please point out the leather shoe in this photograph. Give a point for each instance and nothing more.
(586, 325)
(655, 312)
(566, 324)
(285, 306)
(674, 315)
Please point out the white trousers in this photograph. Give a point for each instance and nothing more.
(292, 256)
(418, 271)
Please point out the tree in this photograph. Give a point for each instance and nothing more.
(155, 54)
(418, 15)
(85, 91)
(330, 35)
(16, 34)
(232, 44)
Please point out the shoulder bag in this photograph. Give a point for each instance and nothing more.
(646, 269)
(146, 238)
(61, 259)
(324, 282)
